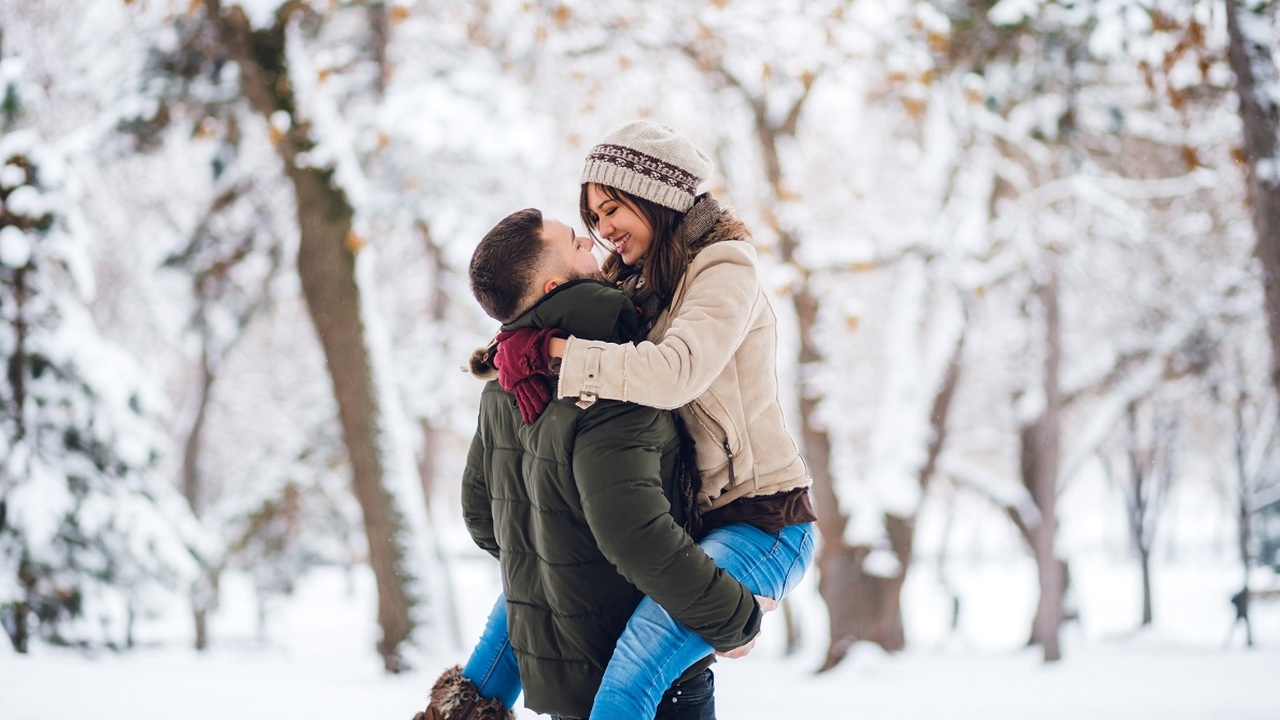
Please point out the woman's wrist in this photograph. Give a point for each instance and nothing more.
(555, 354)
(555, 348)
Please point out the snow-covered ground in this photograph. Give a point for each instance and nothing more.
(318, 663)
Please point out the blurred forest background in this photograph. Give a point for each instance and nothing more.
(1022, 252)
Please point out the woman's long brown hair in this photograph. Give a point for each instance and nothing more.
(667, 259)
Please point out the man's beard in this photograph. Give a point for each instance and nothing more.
(598, 276)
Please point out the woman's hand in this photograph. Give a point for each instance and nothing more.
(739, 652)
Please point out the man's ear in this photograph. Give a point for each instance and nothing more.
(550, 285)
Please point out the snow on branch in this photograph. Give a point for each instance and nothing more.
(997, 488)
(335, 139)
(1154, 365)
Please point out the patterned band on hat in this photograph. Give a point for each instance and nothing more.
(646, 165)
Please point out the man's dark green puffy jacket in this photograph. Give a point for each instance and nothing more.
(577, 509)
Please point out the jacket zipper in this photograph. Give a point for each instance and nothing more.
(728, 451)
(733, 481)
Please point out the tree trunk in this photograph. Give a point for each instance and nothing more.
(1144, 557)
(859, 606)
(1251, 57)
(203, 597)
(1243, 516)
(1040, 458)
(20, 635)
(438, 310)
(326, 267)
(200, 618)
(433, 440)
(1139, 461)
(791, 628)
(868, 607)
(16, 372)
(191, 485)
(16, 366)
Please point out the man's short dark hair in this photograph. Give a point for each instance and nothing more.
(505, 263)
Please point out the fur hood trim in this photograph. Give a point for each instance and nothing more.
(480, 364)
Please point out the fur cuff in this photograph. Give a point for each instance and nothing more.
(454, 697)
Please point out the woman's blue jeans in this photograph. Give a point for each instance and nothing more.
(492, 665)
(654, 649)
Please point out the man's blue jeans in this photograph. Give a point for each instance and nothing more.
(654, 649)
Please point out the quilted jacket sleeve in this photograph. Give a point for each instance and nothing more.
(477, 511)
(619, 460)
(714, 316)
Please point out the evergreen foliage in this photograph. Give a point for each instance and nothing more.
(87, 532)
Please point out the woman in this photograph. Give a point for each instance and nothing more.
(688, 265)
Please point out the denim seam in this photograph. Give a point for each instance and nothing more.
(667, 661)
(801, 561)
(653, 683)
(493, 664)
(760, 560)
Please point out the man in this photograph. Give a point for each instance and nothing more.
(577, 505)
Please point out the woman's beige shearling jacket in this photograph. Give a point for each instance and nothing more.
(713, 355)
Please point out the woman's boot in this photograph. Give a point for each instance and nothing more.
(454, 697)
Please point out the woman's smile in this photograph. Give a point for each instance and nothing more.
(620, 224)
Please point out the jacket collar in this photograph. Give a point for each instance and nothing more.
(587, 309)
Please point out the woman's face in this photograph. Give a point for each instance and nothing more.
(620, 224)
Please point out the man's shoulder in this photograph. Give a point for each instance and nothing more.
(492, 392)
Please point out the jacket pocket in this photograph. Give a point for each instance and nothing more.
(715, 425)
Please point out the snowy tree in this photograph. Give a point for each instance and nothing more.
(1240, 389)
(90, 537)
(353, 101)
(1253, 26)
(266, 44)
(1070, 203)
(1148, 449)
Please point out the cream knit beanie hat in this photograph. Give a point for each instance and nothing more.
(651, 161)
